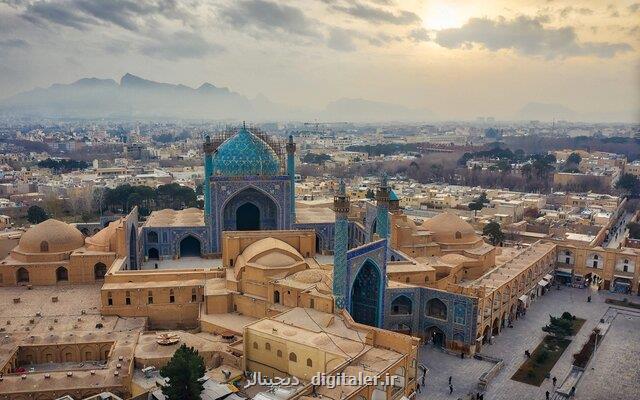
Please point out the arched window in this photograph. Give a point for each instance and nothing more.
(99, 271)
(127, 298)
(279, 353)
(44, 246)
(458, 235)
(401, 305)
(62, 275)
(194, 295)
(109, 299)
(22, 276)
(255, 345)
(172, 297)
(267, 346)
(152, 237)
(437, 309)
(149, 297)
(312, 303)
(293, 357)
(276, 297)
(407, 279)
(426, 279)
(309, 362)
(595, 256)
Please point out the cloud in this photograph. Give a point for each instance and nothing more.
(566, 11)
(7, 44)
(377, 14)
(269, 16)
(79, 14)
(527, 36)
(419, 35)
(57, 13)
(341, 40)
(181, 45)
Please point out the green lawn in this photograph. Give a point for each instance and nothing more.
(534, 370)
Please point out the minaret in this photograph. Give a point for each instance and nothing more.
(208, 171)
(382, 202)
(291, 170)
(341, 245)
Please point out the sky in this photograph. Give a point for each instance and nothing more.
(458, 59)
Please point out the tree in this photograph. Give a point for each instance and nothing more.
(494, 232)
(629, 183)
(370, 194)
(475, 206)
(574, 158)
(634, 230)
(559, 327)
(184, 370)
(36, 214)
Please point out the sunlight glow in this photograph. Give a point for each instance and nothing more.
(441, 15)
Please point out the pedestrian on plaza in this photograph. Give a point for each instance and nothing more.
(450, 380)
(450, 388)
(546, 395)
(554, 381)
(418, 388)
(462, 355)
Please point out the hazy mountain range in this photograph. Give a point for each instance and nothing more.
(136, 97)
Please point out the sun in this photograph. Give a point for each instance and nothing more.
(443, 15)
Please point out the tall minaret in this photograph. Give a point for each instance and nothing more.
(382, 201)
(341, 245)
(291, 170)
(208, 171)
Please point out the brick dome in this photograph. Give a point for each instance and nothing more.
(51, 236)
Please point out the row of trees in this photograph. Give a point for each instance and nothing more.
(123, 198)
(62, 165)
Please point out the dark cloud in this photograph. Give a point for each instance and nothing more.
(56, 13)
(419, 35)
(80, 14)
(376, 14)
(180, 45)
(341, 40)
(7, 44)
(527, 36)
(566, 11)
(269, 16)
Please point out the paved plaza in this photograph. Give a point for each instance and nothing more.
(617, 359)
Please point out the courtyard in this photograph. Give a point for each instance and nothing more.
(613, 361)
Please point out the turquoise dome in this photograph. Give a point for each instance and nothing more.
(245, 154)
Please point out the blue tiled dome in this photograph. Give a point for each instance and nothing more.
(245, 154)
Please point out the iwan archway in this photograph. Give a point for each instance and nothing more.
(249, 210)
(366, 295)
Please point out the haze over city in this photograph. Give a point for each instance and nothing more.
(512, 60)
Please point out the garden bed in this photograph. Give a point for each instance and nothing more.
(535, 369)
(581, 358)
(623, 303)
(577, 324)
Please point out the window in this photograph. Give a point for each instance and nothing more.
(293, 357)
(309, 362)
(44, 246)
(109, 299)
(152, 237)
(172, 297)
(458, 235)
(267, 346)
(127, 298)
(255, 345)
(437, 309)
(279, 353)
(194, 295)
(426, 279)
(150, 297)
(407, 279)
(401, 306)
(276, 297)
(312, 303)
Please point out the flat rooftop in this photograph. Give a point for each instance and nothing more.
(172, 218)
(310, 215)
(183, 263)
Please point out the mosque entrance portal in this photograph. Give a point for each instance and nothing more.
(190, 247)
(248, 217)
(365, 295)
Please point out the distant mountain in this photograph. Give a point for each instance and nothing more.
(360, 110)
(136, 97)
(547, 112)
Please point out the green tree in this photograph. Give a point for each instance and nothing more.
(634, 230)
(475, 207)
(184, 370)
(494, 232)
(629, 183)
(559, 327)
(36, 214)
(370, 194)
(574, 158)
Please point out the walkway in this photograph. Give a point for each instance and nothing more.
(510, 346)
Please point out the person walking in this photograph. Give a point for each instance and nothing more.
(450, 377)
(450, 388)
(546, 395)
(554, 381)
